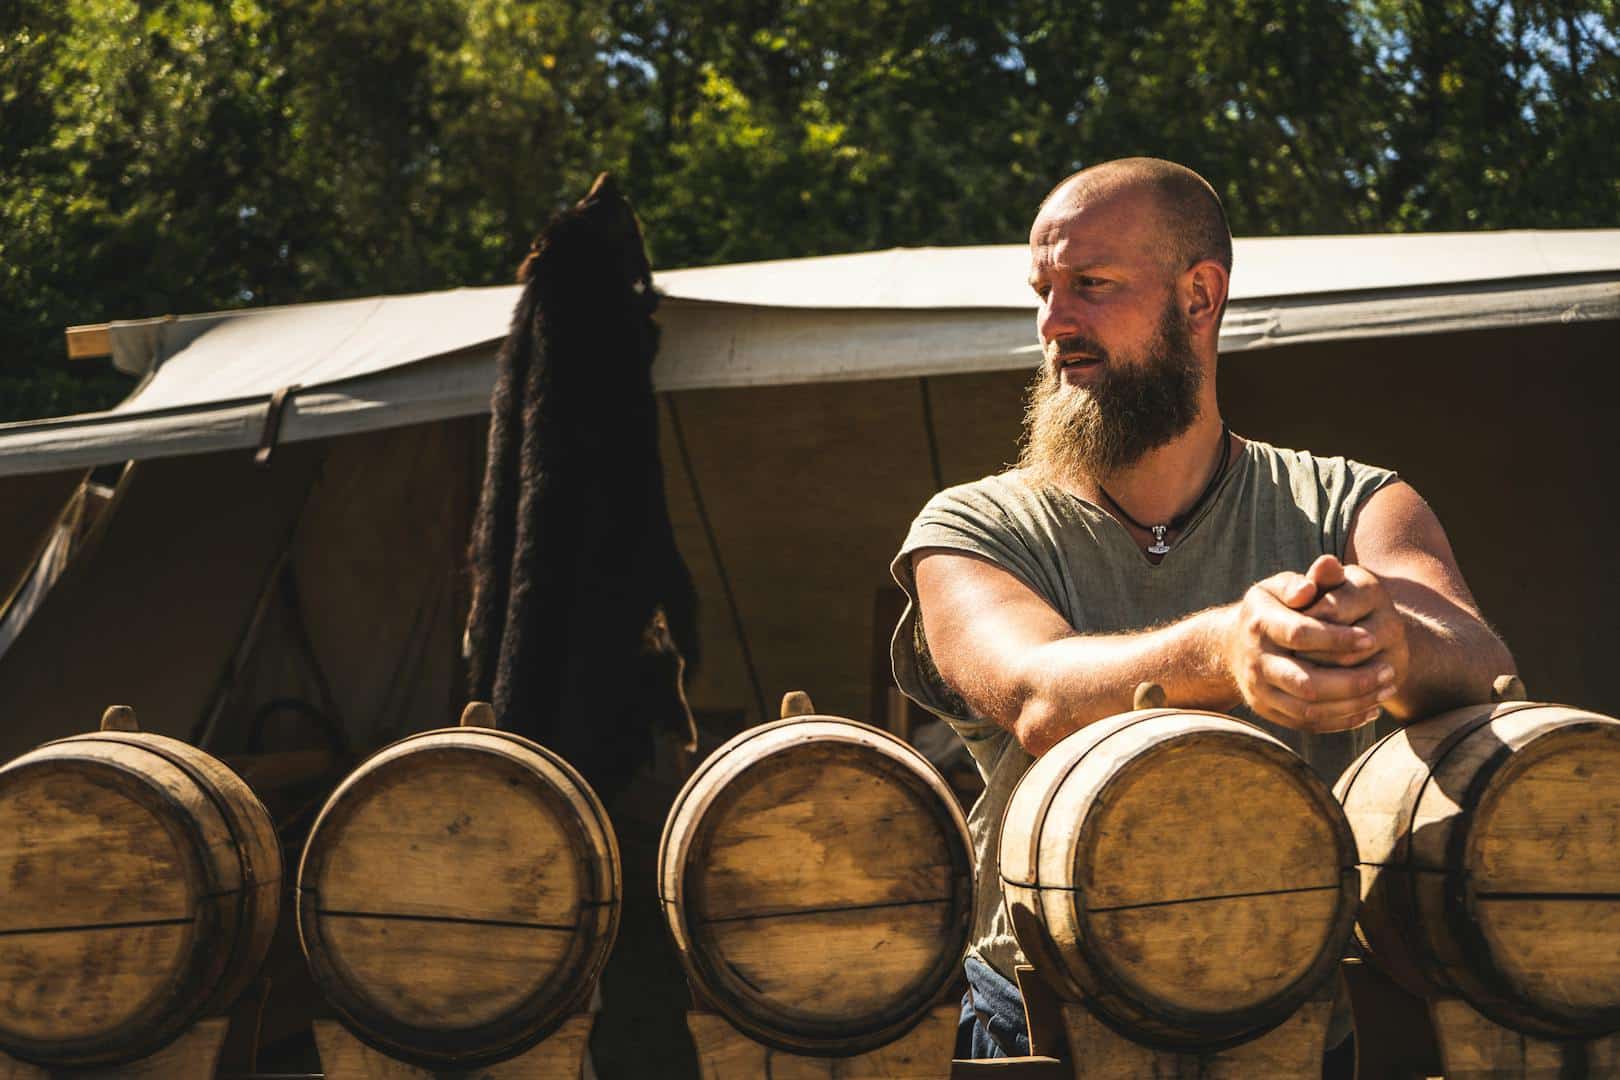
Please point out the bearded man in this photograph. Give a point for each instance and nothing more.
(1140, 540)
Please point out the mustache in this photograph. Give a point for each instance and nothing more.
(1070, 344)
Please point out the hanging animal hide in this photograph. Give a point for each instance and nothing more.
(583, 614)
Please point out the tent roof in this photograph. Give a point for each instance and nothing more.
(388, 361)
(1270, 266)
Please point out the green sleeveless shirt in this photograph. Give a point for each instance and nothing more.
(1275, 510)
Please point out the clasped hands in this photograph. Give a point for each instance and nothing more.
(1318, 651)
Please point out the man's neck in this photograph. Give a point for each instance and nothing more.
(1166, 481)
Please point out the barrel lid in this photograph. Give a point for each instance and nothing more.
(1201, 873)
(1097, 746)
(459, 895)
(1491, 837)
(816, 873)
(122, 856)
(1540, 864)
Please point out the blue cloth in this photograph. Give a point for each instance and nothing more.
(992, 1021)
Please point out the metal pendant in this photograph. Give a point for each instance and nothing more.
(1158, 547)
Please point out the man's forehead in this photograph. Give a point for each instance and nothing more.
(1116, 226)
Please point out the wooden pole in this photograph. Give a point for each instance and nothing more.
(560, 1056)
(923, 1053)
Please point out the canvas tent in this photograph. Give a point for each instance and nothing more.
(812, 406)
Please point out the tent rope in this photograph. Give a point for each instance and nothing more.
(933, 436)
(719, 562)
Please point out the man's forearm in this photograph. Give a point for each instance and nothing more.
(1454, 659)
(1066, 684)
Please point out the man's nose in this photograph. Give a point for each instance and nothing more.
(1057, 316)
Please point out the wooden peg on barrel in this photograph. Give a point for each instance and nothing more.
(119, 718)
(796, 703)
(1508, 688)
(1149, 695)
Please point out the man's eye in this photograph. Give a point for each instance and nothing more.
(1085, 282)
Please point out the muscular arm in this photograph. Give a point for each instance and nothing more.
(1014, 659)
(1317, 651)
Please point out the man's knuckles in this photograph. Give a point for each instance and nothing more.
(1332, 689)
(1359, 576)
(1302, 635)
(1327, 572)
(1287, 588)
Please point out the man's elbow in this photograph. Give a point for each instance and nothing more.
(1039, 724)
(1480, 657)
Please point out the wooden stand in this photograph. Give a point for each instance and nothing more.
(1475, 1048)
(724, 1053)
(193, 1054)
(1394, 1037)
(561, 1056)
(1067, 1041)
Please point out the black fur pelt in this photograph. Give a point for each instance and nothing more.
(583, 613)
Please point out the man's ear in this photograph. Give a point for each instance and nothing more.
(1204, 294)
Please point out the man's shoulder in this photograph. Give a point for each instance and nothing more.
(1004, 499)
(1005, 486)
(990, 516)
(1287, 464)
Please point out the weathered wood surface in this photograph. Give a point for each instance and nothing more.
(1183, 872)
(1473, 1047)
(816, 875)
(923, 1053)
(1034, 1067)
(1490, 861)
(560, 1056)
(1291, 1051)
(459, 895)
(142, 888)
(195, 1054)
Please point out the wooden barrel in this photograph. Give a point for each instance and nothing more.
(1490, 851)
(1183, 873)
(458, 896)
(141, 887)
(816, 874)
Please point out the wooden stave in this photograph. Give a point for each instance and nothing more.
(586, 821)
(255, 841)
(1038, 888)
(1419, 919)
(681, 833)
(236, 893)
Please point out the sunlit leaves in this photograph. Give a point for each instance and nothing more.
(182, 155)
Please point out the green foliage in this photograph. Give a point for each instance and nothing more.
(185, 155)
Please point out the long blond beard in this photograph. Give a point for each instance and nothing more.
(1132, 408)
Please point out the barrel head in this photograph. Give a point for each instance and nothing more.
(1541, 867)
(458, 896)
(141, 887)
(1193, 881)
(821, 885)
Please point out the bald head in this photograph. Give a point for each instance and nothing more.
(1191, 218)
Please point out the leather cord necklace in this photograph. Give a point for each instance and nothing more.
(1159, 547)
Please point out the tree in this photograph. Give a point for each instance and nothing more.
(186, 155)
